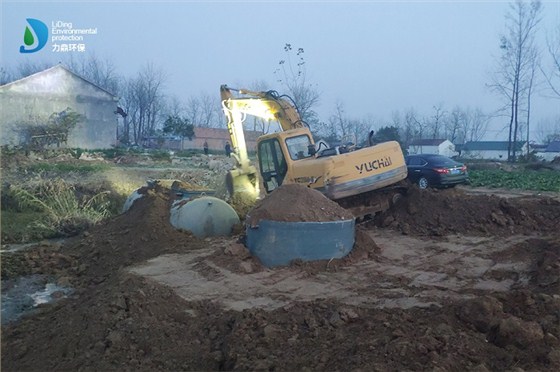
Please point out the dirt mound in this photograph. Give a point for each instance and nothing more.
(297, 203)
(119, 321)
(440, 212)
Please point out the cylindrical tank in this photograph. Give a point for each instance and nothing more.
(278, 243)
(205, 216)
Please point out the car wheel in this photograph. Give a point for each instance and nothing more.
(423, 183)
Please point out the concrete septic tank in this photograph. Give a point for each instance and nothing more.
(278, 243)
(205, 216)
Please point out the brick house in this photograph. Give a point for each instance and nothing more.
(217, 138)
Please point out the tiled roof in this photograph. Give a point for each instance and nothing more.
(490, 145)
(553, 146)
(427, 142)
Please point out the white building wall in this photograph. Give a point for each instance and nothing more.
(501, 155)
(34, 99)
(413, 150)
(447, 148)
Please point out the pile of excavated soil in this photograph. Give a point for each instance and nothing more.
(441, 212)
(297, 203)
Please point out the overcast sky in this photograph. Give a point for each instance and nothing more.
(375, 57)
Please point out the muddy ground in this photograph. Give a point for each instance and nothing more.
(447, 280)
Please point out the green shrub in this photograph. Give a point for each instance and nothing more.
(522, 179)
(160, 155)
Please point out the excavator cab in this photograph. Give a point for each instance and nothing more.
(272, 163)
(279, 152)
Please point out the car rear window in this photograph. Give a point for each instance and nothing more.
(443, 162)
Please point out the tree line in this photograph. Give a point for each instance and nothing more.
(521, 69)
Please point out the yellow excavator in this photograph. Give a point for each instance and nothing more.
(364, 180)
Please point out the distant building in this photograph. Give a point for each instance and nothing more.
(551, 151)
(33, 99)
(432, 146)
(491, 150)
(217, 138)
(162, 142)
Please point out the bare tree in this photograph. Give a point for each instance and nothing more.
(102, 73)
(339, 121)
(413, 128)
(531, 79)
(552, 73)
(294, 78)
(143, 99)
(359, 130)
(209, 110)
(474, 124)
(396, 119)
(174, 107)
(548, 130)
(453, 125)
(513, 77)
(29, 68)
(204, 110)
(193, 110)
(437, 120)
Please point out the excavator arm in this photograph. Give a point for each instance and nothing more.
(266, 105)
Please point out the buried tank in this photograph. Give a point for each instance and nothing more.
(204, 216)
(295, 222)
(195, 210)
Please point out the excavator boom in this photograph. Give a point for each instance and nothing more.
(266, 105)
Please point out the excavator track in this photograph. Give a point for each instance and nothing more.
(366, 206)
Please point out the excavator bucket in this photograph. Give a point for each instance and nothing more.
(242, 184)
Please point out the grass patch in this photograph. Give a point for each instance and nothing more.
(522, 180)
(17, 227)
(55, 209)
(160, 155)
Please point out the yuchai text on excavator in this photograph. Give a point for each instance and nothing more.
(365, 180)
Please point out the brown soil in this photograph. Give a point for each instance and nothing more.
(297, 203)
(440, 212)
(473, 285)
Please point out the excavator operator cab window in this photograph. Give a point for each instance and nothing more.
(298, 147)
(272, 164)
